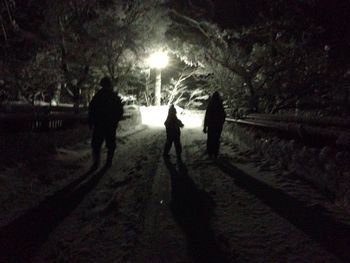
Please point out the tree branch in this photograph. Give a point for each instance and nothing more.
(236, 69)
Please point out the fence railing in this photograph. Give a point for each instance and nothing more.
(40, 122)
(26, 118)
(338, 122)
(307, 132)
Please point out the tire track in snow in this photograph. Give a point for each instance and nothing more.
(20, 239)
(313, 220)
(246, 227)
(179, 216)
(105, 225)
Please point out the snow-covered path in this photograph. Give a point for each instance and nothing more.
(146, 209)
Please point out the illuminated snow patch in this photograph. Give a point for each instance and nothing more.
(155, 116)
(191, 119)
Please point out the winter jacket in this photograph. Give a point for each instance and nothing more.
(215, 115)
(173, 125)
(105, 109)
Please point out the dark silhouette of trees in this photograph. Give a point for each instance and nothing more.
(264, 56)
(272, 56)
(82, 41)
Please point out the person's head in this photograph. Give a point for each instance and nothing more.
(216, 95)
(106, 83)
(172, 110)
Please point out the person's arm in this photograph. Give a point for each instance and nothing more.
(223, 115)
(180, 124)
(119, 109)
(91, 113)
(205, 126)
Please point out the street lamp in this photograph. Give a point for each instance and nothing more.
(158, 60)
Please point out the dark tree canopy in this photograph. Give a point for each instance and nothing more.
(264, 56)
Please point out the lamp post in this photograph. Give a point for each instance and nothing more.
(158, 60)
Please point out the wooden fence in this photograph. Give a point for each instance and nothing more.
(42, 119)
(23, 122)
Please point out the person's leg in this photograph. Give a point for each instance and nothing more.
(96, 143)
(216, 142)
(210, 142)
(178, 147)
(167, 147)
(110, 136)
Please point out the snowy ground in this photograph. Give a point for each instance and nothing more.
(146, 209)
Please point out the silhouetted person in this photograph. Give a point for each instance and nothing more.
(173, 125)
(105, 111)
(213, 122)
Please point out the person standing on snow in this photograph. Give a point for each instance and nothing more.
(173, 125)
(105, 111)
(213, 123)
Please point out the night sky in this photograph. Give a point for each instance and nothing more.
(332, 18)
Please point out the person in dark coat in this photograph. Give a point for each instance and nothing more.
(105, 111)
(173, 125)
(213, 123)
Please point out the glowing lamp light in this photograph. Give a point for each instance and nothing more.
(158, 60)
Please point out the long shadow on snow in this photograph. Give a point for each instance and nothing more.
(314, 220)
(21, 239)
(192, 209)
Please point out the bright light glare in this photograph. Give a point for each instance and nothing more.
(155, 116)
(191, 119)
(158, 60)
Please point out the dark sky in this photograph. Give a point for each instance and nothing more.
(332, 17)
(330, 14)
(234, 13)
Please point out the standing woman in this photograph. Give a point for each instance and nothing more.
(213, 122)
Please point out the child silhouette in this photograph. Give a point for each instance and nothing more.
(173, 125)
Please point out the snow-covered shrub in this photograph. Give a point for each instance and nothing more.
(236, 136)
(327, 168)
